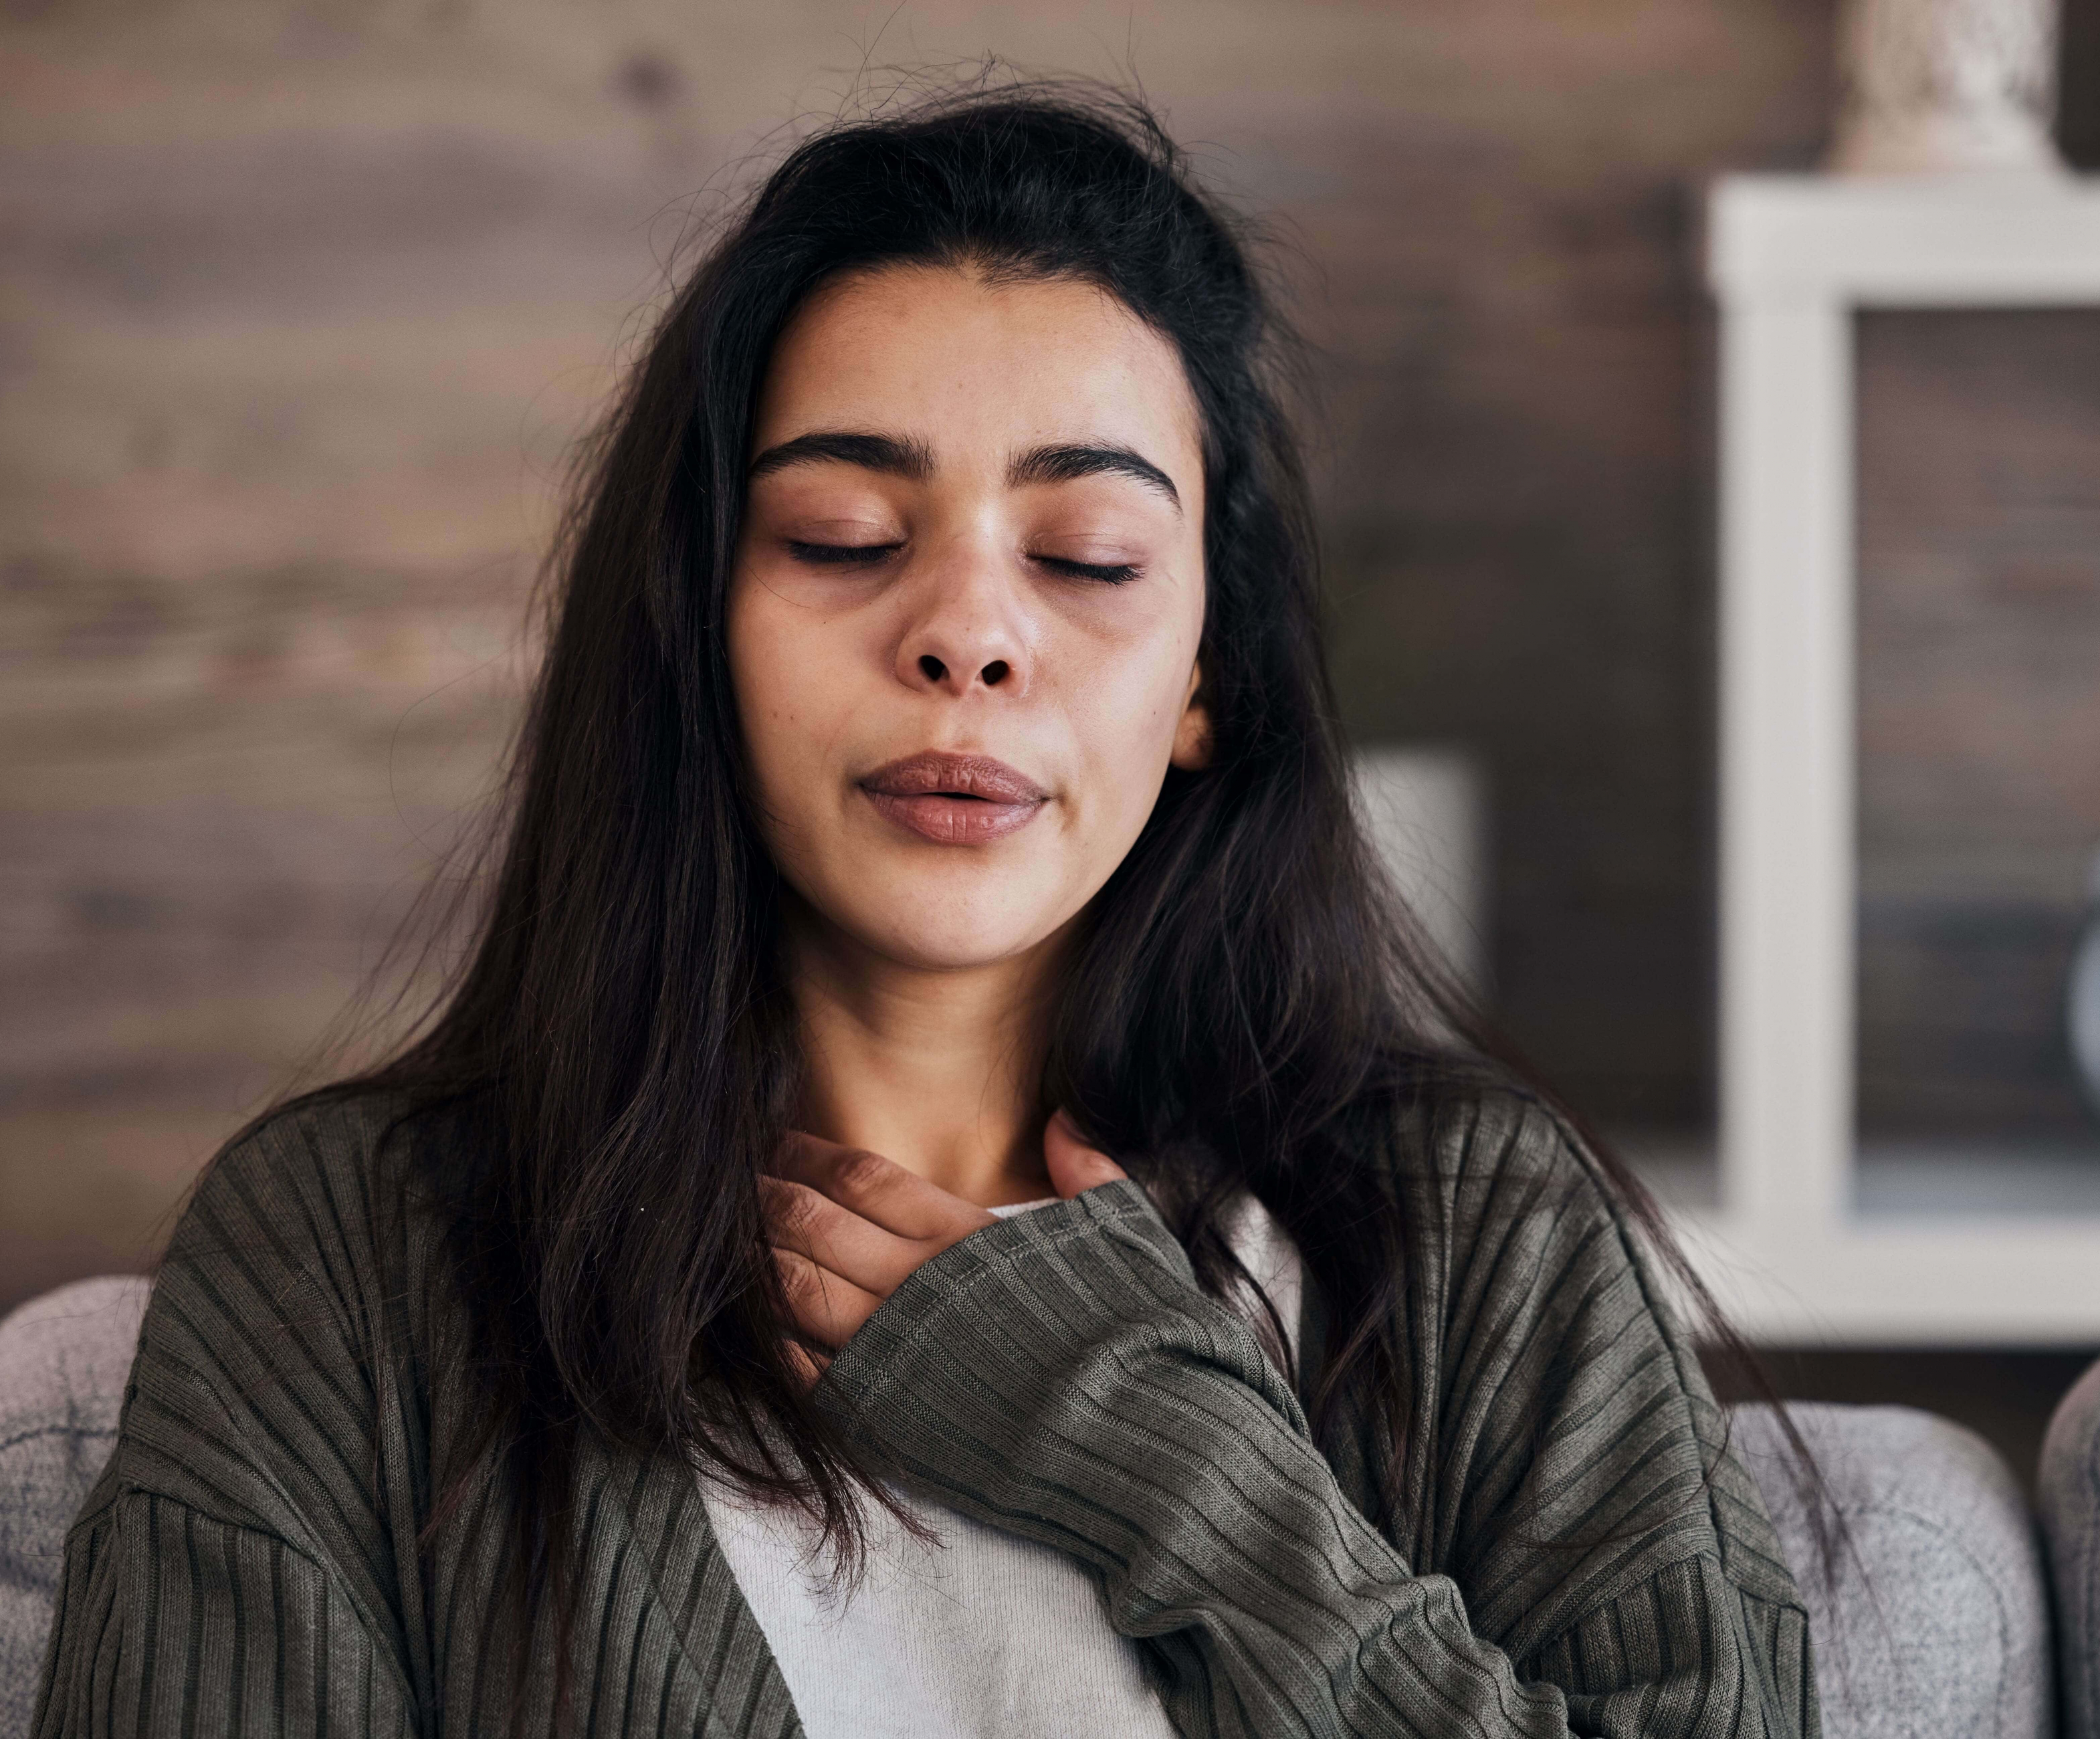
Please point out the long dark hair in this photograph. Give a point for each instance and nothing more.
(1248, 1007)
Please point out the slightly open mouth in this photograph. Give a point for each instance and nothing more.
(954, 799)
(953, 818)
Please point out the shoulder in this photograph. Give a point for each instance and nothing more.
(1490, 1164)
(311, 1173)
(273, 1318)
(1490, 1131)
(1539, 1280)
(308, 1203)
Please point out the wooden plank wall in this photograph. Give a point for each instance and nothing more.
(300, 304)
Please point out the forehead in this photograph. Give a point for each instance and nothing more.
(962, 361)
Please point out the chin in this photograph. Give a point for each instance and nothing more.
(945, 922)
(929, 943)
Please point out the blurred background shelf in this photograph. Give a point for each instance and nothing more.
(1910, 762)
(1904, 1281)
(1980, 1185)
(1934, 1245)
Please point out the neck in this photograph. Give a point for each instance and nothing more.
(937, 1068)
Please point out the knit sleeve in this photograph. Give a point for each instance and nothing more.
(1061, 1375)
(174, 1622)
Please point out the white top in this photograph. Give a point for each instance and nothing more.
(978, 1633)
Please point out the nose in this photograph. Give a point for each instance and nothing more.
(964, 630)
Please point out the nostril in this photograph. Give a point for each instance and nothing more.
(994, 672)
(931, 668)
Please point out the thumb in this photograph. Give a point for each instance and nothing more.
(1074, 1166)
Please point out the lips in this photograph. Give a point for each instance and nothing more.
(954, 799)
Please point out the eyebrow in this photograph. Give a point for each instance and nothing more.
(1064, 464)
(903, 457)
(898, 458)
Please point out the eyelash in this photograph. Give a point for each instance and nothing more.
(842, 555)
(1119, 573)
(861, 555)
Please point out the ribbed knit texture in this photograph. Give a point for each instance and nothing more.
(1578, 1551)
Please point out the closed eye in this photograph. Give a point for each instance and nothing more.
(842, 555)
(1109, 573)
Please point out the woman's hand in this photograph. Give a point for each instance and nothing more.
(848, 1227)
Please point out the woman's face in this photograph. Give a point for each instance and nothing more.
(964, 615)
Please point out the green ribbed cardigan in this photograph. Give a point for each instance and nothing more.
(1578, 1551)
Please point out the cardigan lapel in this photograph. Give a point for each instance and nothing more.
(661, 1585)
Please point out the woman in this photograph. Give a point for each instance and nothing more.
(932, 791)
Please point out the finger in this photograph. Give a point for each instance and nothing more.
(1074, 1166)
(850, 1245)
(879, 1189)
(825, 1309)
(875, 1188)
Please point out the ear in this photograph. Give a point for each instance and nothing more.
(1192, 736)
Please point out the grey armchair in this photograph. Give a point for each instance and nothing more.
(1932, 1615)
(63, 1361)
(2070, 1494)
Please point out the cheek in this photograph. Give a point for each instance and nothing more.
(1126, 710)
(778, 675)
(753, 673)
